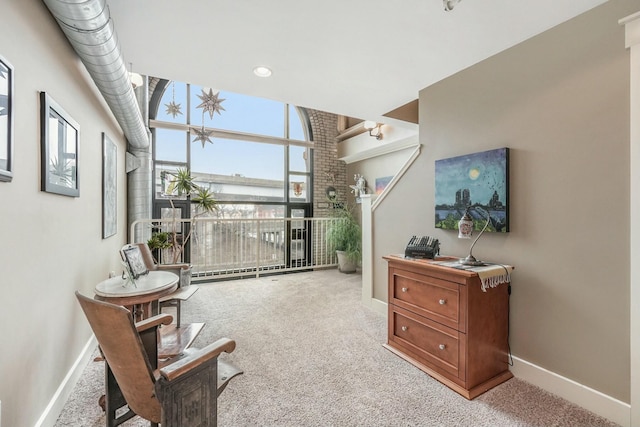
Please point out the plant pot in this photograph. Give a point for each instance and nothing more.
(345, 265)
(185, 276)
(182, 270)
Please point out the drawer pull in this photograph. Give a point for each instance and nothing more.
(404, 328)
(442, 346)
(442, 301)
(405, 289)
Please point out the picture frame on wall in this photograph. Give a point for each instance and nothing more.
(60, 140)
(6, 120)
(381, 183)
(477, 183)
(109, 187)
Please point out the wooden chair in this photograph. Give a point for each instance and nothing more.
(182, 393)
(183, 293)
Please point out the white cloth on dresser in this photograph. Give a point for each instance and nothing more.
(491, 275)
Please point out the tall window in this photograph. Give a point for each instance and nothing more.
(253, 153)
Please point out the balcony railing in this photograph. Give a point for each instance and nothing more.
(222, 248)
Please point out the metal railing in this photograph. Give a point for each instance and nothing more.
(223, 248)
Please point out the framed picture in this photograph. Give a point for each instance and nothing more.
(477, 182)
(381, 183)
(6, 120)
(133, 259)
(59, 140)
(109, 186)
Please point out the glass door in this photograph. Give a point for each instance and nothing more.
(298, 236)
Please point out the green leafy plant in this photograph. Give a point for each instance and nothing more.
(160, 240)
(182, 184)
(344, 234)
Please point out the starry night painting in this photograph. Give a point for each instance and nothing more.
(477, 183)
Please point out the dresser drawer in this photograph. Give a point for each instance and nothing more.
(433, 343)
(441, 321)
(430, 297)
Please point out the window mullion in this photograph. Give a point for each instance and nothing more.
(244, 139)
(188, 124)
(286, 121)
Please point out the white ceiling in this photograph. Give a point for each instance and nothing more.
(360, 58)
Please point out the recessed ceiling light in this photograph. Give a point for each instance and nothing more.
(262, 71)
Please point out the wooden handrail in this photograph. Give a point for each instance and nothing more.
(160, 319)
(174, 370)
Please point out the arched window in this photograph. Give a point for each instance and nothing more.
(253, 153)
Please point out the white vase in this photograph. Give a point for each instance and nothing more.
(185, 276)
(345, 265)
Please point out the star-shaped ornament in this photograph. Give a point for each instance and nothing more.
(173, 109)
(202, 135)
(210, 102)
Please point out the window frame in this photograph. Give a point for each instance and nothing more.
(155, 104)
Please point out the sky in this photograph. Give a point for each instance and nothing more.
(241, 113)
(482, 173)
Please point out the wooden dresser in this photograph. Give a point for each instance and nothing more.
(441, 321)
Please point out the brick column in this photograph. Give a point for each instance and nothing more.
(328, 170)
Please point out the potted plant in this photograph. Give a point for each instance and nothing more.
(181, 184)
(344, 235)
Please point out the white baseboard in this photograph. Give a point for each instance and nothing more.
(57, 402)
(379, 306)
(599, 403)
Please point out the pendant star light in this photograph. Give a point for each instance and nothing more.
(172, 107)
(211, 104)
(202, 135)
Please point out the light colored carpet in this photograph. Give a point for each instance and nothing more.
(312, 355)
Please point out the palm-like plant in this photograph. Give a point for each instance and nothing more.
(204, 200)
(182, 184)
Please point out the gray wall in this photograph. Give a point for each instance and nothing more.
(560, 102)
(51, 245)
(378, 167)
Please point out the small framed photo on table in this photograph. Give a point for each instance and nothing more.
(132, 257)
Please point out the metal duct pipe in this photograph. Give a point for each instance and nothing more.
(88, 26)
(140, 180)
